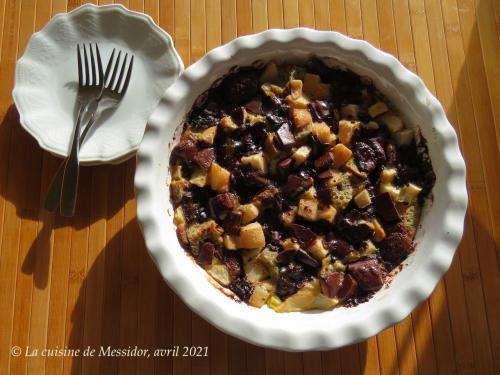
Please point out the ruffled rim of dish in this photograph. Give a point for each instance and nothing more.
(382, 315)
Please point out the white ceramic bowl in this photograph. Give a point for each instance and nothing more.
(47, 76)
(437, 239)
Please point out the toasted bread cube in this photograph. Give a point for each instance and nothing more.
(299, 103)
(296, 88)
(303, 300)
(177, 189)
(250, 212)
(252, 237)
(409, 193)
(289, 244)
(308, 209)
(270, 73)
(322, 91)
(403, 137)
(340, 154)
(270, 146)
(228, 124)
(372, 125)
(179, 217)
(322, 131)
(231, 242)
(327, 214)
(323, 302)
(220, 273)
(206, 135)
(176, 172)
(199, 177)
(377, 109)
(219, 178)
(388, 175)
(288, 217)
(311, 81)
(379, 231)
(256, 161)
(256, 271)
(392, 122)
(259, 296)
(301, 117)
(350, 111)
(317, 249)
(368, 248)
(346, 130)
(352, 167)
(391, 189)
(309, 193)
(301, 154)
(362, 199)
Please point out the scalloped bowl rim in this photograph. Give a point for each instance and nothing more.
(34, 131)
(294, 331)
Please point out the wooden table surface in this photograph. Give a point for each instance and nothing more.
(89, 281)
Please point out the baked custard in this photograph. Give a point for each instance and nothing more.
(298, 186)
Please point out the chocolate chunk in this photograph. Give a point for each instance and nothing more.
(397, 244)
(320, 110)
(324, 194)
(242, 288)
(369, 273)
(348, 288)
(324, 161)
(276, 119)
(291, 278)
(232, 222)
(223, 203)
(338, 247)
(330, 284)
(256, 179)
(376, 145)
(306, 259)
(232, 262)
(365, 157)
(207, 250)
(254, 106)
(285, 164)
(384, 207)
(238, 115)
(248, 144)
(186, 149)
(203, 120)
(240, 86)
(191, 211)
(268, 198)
(326, 174)
(304, 235)
(205, 158)
(294, 185)
(285, 136)
(286, 256)
(355, 227)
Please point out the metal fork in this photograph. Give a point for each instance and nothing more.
(113, 91)
(89, 88)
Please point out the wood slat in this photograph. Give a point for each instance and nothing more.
(88, 281)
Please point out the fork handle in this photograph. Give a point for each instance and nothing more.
(71, 169)
(52, 199)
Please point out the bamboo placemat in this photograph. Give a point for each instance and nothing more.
(89, 281)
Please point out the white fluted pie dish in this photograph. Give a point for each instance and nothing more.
(46, 80)
(441, 224)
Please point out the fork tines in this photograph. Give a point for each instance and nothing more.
(89, 77)
(118, 85)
